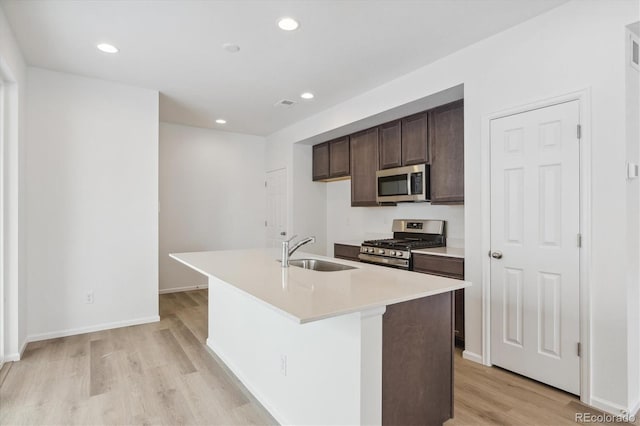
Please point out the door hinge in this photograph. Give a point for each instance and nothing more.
(265, 223)
(579, 349)
(579, 240)
(265, 183)
(579, 131)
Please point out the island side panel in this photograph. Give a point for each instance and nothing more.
(417, 361)
(302, 373)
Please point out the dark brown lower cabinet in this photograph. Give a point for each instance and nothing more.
(417, 356)
(450, 267)
(417, 361)
(346, 252)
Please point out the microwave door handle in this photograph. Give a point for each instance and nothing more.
(409, 184)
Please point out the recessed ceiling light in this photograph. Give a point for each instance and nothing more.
(288, 24)
(107, 48)
(231, 48)
(307, 95)
(221, 121)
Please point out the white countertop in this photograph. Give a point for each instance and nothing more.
(442, 251)
(356, 243)
(307, 295)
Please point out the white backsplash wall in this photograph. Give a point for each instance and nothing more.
(358, 223)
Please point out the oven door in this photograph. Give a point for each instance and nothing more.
(403, 184)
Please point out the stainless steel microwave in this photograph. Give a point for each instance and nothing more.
(403, 184)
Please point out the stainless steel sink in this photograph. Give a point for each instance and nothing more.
(319, 265)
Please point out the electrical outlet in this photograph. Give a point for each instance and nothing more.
(89, 297)
(283, 365)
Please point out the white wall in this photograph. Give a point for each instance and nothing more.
(579, 45)
(309, 205)
(92, 203)
(355, 223)
(13, 70)
(212, 196)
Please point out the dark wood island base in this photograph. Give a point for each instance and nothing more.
(417, 361)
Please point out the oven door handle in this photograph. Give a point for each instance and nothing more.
(384, 260)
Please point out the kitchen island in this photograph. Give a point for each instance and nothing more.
(368, 345)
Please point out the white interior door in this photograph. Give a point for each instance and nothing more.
(535, 225)
(276, 222)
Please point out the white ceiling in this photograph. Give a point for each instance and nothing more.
(342, 48)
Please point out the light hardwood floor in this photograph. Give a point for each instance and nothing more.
(162, 373)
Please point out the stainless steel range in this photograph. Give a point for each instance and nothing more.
(408, 235)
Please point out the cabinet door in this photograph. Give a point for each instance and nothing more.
(451, 267)
(415, 148)
(390, 145)
(342, 251)
(447, 154)
(321, 161)
(447, 267)
(459, 317)
(364, 164)
(339, 157)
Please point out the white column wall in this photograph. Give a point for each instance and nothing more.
(14, 71)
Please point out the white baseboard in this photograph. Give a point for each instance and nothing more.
(90, 329)
(17, 356)
(612, 407)
(247, 384)
(472, 356)
(180, 289)
(635, 408)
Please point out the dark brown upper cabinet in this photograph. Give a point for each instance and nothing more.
(391, 145)
(446, 141)
(364, 164)
(331, 160)
(339, 160)
(415, 139)
(321, 161)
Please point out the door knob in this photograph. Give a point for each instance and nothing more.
(496, 255)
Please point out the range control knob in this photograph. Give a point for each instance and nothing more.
(393, 253)
(381, 251)
(400, 254)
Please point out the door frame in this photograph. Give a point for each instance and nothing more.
(584, 105)
(3, 319)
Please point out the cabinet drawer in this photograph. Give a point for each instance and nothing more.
(451, 267)
(342, 251)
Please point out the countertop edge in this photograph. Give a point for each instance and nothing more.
(460, 284)
(259, 300)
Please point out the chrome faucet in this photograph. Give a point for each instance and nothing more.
(287, 252)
